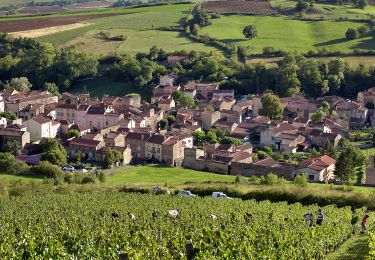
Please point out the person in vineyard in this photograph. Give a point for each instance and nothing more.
(364, 223)
(309, 219)
(319, 220)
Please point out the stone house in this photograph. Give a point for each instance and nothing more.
(113, 139)
(124, 151)
(136, 141)
(88, 147)
(176, 58)
(172, 151)
(166, 104)
(245, 108)
(154, 147)
(19, 101)
(9, 134)
(231, 116)
(40, 127)
(208, 118)
(317, 169)
(366, 97)
(223, 93)
(222, 103)
(31, 111)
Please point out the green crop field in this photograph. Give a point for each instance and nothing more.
(143, 27)
(102, 225)
(287, 34)
(160, 175)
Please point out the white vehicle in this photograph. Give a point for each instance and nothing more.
(220, 195)
(185, 193)
(68, 168)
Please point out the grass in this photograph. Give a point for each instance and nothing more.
(287, 34)
(11, 177)
(99, 87)
(352, 60)
(144, 28)
(354, 248)
(143, 175)
(326, 11)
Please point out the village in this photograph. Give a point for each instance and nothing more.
(165, 132)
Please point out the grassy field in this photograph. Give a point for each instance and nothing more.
(160, 175)
(142, 26)
(287, 34)
(352, 60)
(98, 87)
(10, 177)
(325, 11)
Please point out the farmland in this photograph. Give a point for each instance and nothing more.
(287, 34)
(243, 7)
(82, 226)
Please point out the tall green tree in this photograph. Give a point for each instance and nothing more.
(250, 32)
(271, 107)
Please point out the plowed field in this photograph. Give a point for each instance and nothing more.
(243, 7)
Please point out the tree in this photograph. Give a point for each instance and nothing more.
(13, 147)
(363, 31)
(9, 115)
(350, 165)
(54, 152)
(196, 29)
(74, 133)
(112, 157)
(198, 137)
(101, 176)
(318, 115)
(183, 100)
(7, 161)
(271, 107)
(78, 156)
(21, 84)
(351, 34)
(300, 180)
(48, 170)
(233, 141)
(163, 124)
(250, 31)
(302, 6)
(211, 137)
(362, 4)
(171, 119)
(52, 88)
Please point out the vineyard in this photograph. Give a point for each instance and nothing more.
(242, 7)
(97, 226)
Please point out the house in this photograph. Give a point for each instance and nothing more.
(3, 122)
(352, 110)
(19, 101)
(113, 139)
(190, 90)
(101, 116)
(136, 141)
(30, 111)
(223, 93)
(222, 103)
(204, 90)
(88, 147)
(317, 169)
(323, 139)
(268, 137)
(9, 134)
(366, 97)
(40, 127)
(231, 116)
(245, 108)
(166, 104)
(172, 151)
(153, 148)
(124, 151)
(209, 118)
(263, 168)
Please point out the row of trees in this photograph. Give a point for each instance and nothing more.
(212, 137)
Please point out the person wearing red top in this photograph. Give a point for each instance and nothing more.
(364, 223)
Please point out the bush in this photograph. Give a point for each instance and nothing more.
(48, 170)
(351, 34)
(88, 179)
(102, 177)
(271, 179)
(300, 180)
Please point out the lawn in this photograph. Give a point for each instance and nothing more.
(144, 28)
(99, 87)
(160, 175)
(287, 34)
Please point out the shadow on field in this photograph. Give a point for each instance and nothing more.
(366, 44)
(234, 40)
(331, 42)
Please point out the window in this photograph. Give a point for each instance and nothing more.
(139, 148)
(158, 150)
(153, 149)
(311, 177)
(106, 122)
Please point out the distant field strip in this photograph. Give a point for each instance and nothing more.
(39, 23)
(46, 31)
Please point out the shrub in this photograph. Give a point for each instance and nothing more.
(88, 179)
(271, 179)
(48, 170)
(300, 180)
(102, 177)
(351, 34)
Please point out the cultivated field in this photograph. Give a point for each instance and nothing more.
(17, 25)
(287, 34)
(89, 5)
(46, 31)
(41, 9)
(244, 7)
